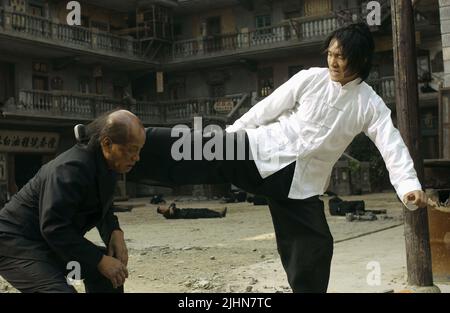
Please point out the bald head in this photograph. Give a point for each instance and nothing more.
(121, 136)
(121, 125)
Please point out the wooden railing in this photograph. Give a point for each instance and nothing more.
(73, 34)
(79, 106)
(292, 31)
(209, 108)
(43, 28)
(63, 104)
(385, 87)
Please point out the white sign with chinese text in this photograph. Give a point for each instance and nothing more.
(20, 141)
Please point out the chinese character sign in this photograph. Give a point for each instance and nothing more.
(20, 141)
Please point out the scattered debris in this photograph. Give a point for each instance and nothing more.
(350, 217)
(203, 284)
(157, 199)
(253, 281)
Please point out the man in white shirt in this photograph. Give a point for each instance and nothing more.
(292, 139)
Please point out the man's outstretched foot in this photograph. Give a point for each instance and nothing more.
(224, 212)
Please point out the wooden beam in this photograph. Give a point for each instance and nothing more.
(418, 253)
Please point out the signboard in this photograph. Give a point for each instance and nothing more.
(20, 141)
(224, 105)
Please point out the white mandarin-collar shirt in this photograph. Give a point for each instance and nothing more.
(311, 120)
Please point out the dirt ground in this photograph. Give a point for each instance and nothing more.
(238, 253)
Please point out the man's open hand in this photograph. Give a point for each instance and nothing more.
(114, 270)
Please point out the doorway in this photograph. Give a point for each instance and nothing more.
(6, 81)
(25, 167)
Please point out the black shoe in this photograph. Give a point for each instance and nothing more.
(224, 212)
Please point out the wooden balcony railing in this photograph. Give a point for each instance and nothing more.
(34, 27)
(64, 104)
(208, 108)
(384, 87)
(290, 32)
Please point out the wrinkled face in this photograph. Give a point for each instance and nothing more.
(337, 64)
(122, 157)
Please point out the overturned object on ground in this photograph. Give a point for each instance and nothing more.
(341, 207)
(157, 199)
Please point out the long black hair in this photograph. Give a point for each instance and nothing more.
(357, 46)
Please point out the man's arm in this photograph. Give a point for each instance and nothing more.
(113, 237)
(61, 196)
(282, 99)
(107, 225)
(380, 129)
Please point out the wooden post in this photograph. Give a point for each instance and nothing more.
(418, 253)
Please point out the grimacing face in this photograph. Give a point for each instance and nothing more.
(121, 158)
(337, 64)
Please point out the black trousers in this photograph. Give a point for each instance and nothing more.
(49, 276)
(304, 241)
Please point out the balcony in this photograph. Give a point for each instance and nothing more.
(303, 31)
(75, 106)
(46, 31)
(385, 88)
(288, 34)
(217, 109)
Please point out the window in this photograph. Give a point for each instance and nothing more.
(213, 26)
(84, 85)
(40, 78)
(262, 24)
(57, 83)
(99, 85)
(40, 82)
(119, 92)
(18, 5)
(40, 67)
(263, 21)
(36, 10)
(265, 82)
